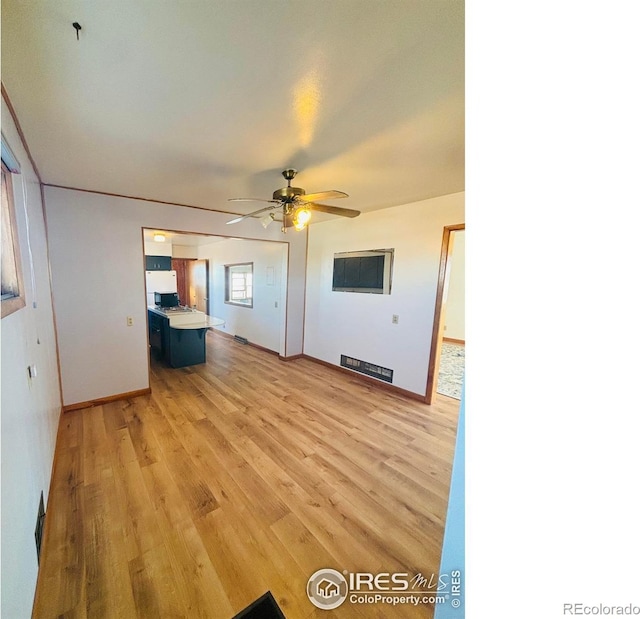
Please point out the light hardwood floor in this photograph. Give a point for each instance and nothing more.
(243, 475)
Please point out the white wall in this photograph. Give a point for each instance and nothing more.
(262, 324)
(453, 303)
(30, 407)
(359, 325)
(184, 251)
(97, 266)
(153, 248)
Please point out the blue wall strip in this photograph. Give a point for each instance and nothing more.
(452, 562)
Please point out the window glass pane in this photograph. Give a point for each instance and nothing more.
(12, 289)
(238, 279)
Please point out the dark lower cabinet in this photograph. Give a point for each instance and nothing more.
(158, 334)
(186, 347)
(176, 347)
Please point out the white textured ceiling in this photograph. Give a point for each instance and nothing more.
(195, 102)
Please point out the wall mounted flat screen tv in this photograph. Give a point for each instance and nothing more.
(363, 271)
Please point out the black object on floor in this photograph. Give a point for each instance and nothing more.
(264, 607)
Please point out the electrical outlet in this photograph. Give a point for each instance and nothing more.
(394, 319)
(129, 321)
(32, 371)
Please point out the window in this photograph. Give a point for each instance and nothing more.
(239, 284)
(12, 286)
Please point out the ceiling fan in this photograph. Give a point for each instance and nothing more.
(296, 205)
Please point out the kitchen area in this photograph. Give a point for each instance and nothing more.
(177, 301)
(201, 270)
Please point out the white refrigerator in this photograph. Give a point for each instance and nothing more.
(160, 281)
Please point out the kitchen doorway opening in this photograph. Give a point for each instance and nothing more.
(192, 265)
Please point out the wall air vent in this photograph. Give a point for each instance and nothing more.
(364, 367)
(39, 526)
(240, 339)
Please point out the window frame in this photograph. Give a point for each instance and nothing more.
(228, 288)
(14, 303)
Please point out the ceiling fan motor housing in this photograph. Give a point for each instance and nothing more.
(288, 194)
(295, 209)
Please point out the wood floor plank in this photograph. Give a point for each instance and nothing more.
(302, 544)
(240, 476)
(155, 580)
(231, 561)
(192, 486)
(199, 584)
(139, 523)
(108, 587)
(372, 513)
(143, 439)
(164, 494)
(144, 591)
(96, 450)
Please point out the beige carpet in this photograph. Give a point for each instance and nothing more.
(451, 372)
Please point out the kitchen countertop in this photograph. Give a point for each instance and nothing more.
(209, 321)
(187, 318)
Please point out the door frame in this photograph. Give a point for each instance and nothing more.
(434, 354)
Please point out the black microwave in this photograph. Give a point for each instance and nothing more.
(166, 299)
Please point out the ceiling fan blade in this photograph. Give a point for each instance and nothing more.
(262, 210)
(253, 200)
(333, 210)
(323, 195)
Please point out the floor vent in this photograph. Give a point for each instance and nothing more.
(364, 367)
(39, 526)
(240, 339)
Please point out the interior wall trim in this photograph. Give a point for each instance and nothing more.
(106, 400)
(53, 306)
(230, 336)
(121, 195)
(452, 340)
(366, 379)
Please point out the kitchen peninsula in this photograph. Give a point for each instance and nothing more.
(177, 334)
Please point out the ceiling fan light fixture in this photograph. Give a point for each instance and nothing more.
(267, 219)
(159, 237)
(296, 205)
(301, 218)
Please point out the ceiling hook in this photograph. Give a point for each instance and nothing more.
(78, 27)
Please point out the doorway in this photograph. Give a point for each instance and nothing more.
(197, 260)
(448, 331)
(192, 279)
(199, 284)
